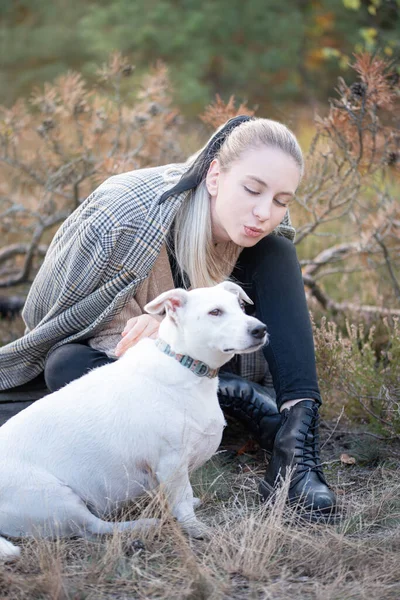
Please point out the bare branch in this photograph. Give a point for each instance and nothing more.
(338, 307)
(17, 249)
(330, 255)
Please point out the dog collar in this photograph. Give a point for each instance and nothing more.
(196, 366)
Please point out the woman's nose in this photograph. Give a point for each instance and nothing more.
(262, 211)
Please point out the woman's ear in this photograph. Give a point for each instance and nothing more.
(212, 177)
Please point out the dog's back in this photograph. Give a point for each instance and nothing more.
(125, 427)
(103, 434)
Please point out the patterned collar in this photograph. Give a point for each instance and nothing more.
(196, 366)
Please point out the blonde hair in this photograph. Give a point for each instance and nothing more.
(205, 262)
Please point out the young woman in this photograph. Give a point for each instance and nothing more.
(223, 213)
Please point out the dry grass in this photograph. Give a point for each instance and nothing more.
(255, 551)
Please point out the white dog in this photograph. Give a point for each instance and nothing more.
(150, 418)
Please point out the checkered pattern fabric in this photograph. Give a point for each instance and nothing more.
(94, 265)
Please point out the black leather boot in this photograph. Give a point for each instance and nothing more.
(297, 446)
(249, 403)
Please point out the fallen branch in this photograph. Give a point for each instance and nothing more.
(333, 254)
(338, 307)
(374, 435)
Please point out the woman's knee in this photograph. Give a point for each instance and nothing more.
(276, 246)
(58, 365)
(70, 362)
(273, 252)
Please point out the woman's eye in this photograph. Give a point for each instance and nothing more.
(251, 191)
(279, 203)
(217, 312)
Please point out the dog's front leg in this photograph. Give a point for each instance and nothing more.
(173, 476)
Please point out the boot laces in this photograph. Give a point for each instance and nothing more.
(308, 459)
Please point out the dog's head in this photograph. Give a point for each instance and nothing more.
(209, 324)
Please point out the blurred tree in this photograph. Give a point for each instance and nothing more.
(377, 25)
(39, 39)
(263, 51)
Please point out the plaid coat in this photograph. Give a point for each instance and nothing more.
(94, 265)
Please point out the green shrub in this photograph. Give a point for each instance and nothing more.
(359, 373)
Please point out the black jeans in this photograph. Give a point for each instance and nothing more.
(270, 274)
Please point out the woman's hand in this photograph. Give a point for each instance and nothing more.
(137, 328)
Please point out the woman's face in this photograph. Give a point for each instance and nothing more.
(251, 198)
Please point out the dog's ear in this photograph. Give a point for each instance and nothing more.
(171, 300)
(229, 286)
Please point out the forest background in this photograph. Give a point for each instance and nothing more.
(89, 89)
(267, 52)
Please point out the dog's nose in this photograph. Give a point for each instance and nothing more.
(259, 331)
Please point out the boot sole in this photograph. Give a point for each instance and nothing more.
(309, 516)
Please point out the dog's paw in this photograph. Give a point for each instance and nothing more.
(196, 503)
(197, 530)
(8, 552)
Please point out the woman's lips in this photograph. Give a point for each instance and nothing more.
(252, 232)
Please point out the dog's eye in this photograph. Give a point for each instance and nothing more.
(242, 306)
(217, 312)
